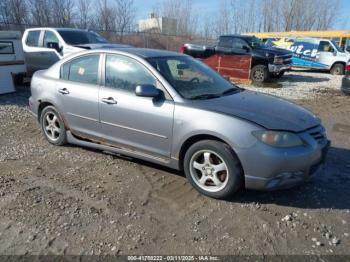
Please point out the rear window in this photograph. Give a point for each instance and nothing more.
(77, 37)
(33, 38)
(6, 48)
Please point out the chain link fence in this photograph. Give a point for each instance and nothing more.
(134, 38)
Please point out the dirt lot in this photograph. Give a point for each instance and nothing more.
(71, 200)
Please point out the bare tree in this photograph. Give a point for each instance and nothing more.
(223, 21)
(13, 12)
(182, 11)
(124, 16)
(63, 12)
(84, 13)
(41, 12)
(105, 15)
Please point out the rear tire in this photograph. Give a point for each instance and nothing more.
(52, 126)
(259, 73)
(213, 169)
(338, 69)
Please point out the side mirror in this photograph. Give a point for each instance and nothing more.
(335, 53)
(147, 91)
(246, 48)
(54, 45)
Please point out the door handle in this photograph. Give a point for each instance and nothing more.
(109, 100)
(63, 91)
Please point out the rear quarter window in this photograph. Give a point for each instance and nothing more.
(33, 38)
(6, 48)
(83, 69)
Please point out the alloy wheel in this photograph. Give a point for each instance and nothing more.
(209, 171)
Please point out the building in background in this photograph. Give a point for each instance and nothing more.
(162, 25)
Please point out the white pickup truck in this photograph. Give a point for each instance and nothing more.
(44, 46)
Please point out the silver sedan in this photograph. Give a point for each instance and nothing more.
(175, 111)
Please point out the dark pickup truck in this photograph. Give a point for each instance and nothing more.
(234, 50)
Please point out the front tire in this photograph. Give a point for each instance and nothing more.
(259, 73)
(213, 169)
(338, 69)
(53, 127)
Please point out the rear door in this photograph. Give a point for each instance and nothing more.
(77, 92)
(32, 50)
(137, 123)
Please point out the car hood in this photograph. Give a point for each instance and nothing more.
(268, 111)
(106, 45)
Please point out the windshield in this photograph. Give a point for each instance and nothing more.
(255, 42)
(191, 78)
(76, 37)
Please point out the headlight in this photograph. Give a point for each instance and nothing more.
(278, 139)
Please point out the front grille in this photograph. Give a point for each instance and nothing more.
(287, 59)
(319, 134)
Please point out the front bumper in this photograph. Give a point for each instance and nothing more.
(345, 87)
(291, 177)
(277, 68)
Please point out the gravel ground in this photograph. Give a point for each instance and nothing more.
(301, 85)
(71, 200)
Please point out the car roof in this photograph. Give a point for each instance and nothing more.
(58, 29)
(145, 52)
(238, 36)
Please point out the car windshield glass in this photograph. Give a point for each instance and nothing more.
(191, 78)
(75, 37)
(255, 42)
(336, 46)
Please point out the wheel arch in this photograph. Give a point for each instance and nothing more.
(199, 137)
(45, 103)
(338, 62)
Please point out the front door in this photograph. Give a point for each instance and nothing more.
(138, 123)
(77, 93)
(325, 55)
(49, 56)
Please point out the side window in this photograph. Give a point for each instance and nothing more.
(6, 48)
(83, 69)
(50, 37)
(325, 46)
(226, 42)
(33, 38)
(125, 73)
(238, 43)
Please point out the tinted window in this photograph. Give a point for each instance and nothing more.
(6, 48)
(77, 37)
(238, 43)
(125, 73)
(83, 70)
(33, 38)
(325, 46)
(225, 42)
(50, 37)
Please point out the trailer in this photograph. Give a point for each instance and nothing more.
(12, 65)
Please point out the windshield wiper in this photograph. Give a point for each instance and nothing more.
(204, 96)
(231, 91)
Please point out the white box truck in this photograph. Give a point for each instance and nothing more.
(12, 65)
(313, 53)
